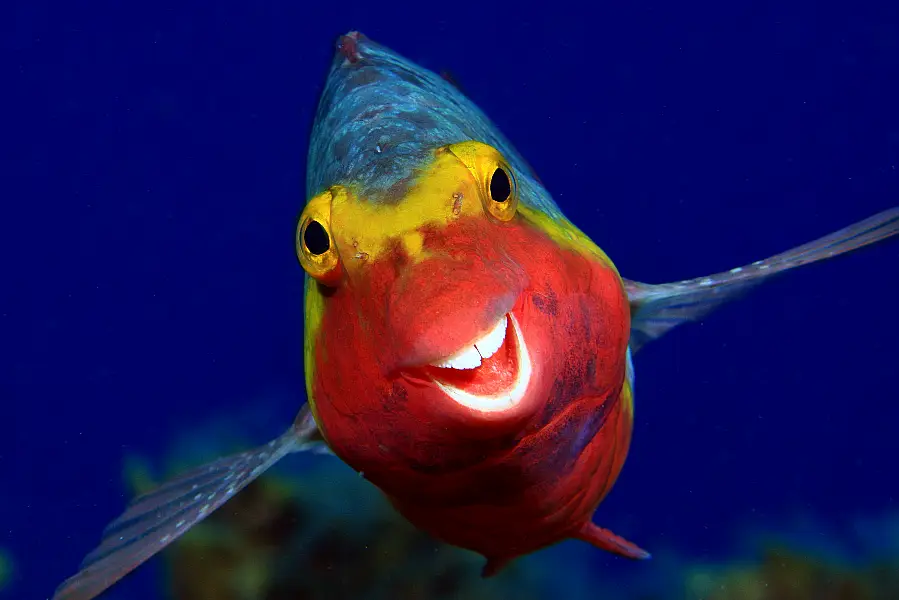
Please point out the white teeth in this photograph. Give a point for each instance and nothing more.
(485, 347)
(467, 359)
(504, 400)
(490, 343)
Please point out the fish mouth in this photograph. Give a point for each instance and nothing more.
(490, 374)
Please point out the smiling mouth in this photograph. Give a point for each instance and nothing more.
(489, 375)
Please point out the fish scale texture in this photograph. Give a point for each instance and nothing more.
(381, 116)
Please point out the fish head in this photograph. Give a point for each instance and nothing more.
(428, 272)
(447, 300)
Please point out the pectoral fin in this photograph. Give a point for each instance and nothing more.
(655, 309)
(156, 519)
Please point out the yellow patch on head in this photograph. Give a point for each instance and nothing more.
(366, 230)
(457, 182)
(413, 242)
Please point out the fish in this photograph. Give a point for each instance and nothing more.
(467, 349)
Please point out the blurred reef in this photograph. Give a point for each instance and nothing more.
(6, 569)
(303, 539)
(313, 529)
(808, 558)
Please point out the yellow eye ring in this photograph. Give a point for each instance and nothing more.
(499, 190)
(502, 195)
(315, 245)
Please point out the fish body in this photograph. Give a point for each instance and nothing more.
(467, 348)
(425, 271)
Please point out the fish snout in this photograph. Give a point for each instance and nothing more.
(441, 305)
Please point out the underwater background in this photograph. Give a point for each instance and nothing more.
(152, 169)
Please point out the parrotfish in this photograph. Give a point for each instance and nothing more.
(467, 349)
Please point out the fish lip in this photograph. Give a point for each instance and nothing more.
(427, 347)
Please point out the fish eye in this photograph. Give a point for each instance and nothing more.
(315, 246)
(503, 199)
(316, 238)
(500, 186)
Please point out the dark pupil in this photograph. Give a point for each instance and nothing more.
(316, 238)
(500, 186)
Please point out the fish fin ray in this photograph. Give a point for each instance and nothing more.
(610, 542)
(154, 520)
(656, 309)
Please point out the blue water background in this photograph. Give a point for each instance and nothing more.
(152, 166)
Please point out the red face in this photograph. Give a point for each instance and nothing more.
(476, 369)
